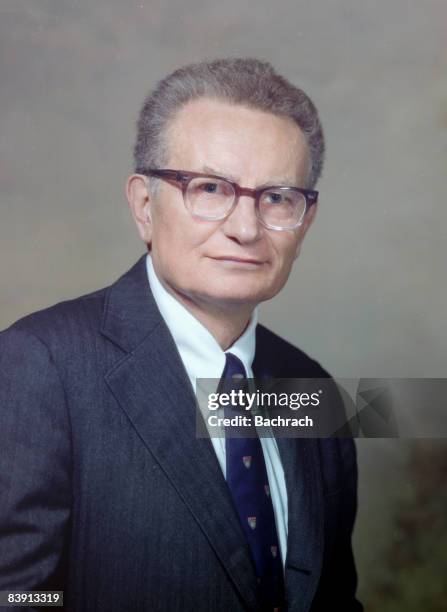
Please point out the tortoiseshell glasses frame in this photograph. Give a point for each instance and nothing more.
(295, 201)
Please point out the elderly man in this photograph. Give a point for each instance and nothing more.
(107, 493)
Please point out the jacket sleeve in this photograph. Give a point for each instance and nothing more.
(35, 465)
(338, 583)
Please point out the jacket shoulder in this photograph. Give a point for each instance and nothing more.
(283, 359)
(63, 320)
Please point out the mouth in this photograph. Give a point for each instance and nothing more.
(249, 262)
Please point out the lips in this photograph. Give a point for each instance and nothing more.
(240, 260)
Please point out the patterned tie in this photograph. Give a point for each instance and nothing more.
(247, 479)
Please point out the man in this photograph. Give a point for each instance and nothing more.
(107, 492)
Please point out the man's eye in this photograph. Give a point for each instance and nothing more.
(274, 198)
(209, 187)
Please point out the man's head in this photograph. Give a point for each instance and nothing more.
(241, 121)
(248, 82)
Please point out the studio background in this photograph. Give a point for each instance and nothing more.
(367, 297)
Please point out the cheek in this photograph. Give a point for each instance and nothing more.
(177, 236)
(286, 247)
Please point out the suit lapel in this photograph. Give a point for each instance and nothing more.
(302, 469)
(301, 462)
(151, 386)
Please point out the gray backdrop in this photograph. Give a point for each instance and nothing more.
(367, 296)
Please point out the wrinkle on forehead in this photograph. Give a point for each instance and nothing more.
(241, 143)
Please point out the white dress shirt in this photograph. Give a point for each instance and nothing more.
(203, 358)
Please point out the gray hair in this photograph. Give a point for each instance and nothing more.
(249, 82)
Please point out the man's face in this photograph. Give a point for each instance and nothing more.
(235, 262)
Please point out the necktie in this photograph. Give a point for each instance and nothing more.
(247, 479)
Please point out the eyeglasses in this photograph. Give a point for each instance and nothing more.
(213, 198)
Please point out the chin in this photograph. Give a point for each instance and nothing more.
(232, 291)
(239, 297)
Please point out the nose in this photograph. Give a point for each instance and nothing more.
(242, 225)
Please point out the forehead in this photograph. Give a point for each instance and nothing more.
(237, 141)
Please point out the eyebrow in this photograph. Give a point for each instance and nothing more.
(222, 174)
(225, 175)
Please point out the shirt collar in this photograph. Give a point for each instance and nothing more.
(201, 354)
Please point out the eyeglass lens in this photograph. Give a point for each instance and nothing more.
(212, 199)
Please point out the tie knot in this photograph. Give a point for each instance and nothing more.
(234, 368)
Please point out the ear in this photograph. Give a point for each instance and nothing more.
(138, 196)
(302, 230)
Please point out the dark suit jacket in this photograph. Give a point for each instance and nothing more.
(107, 493)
